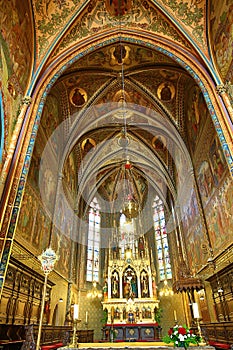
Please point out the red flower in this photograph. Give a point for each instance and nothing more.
(170, 331)
(191, 332)
(182, 330)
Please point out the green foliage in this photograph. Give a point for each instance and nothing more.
(104, 319)
(158, 315)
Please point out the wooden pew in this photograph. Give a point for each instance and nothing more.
(218, 334)
(21, 337)
(52, 337)
(11, 336)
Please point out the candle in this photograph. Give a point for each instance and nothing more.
(175, 317)
(86, 316)
(195, 311)
(76, 311)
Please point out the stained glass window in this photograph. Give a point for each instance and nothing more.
(93, 243)
(164, 264)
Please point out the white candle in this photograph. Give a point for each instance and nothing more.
(195, 311)
(175, 317)
(86, 316)
(76, 311)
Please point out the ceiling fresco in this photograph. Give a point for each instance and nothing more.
(85, 18)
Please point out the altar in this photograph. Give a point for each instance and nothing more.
(133, 332)
(134, 346)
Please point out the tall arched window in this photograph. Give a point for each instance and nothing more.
(93, 243)
(164, 265)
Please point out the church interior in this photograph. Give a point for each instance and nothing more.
(116, 166)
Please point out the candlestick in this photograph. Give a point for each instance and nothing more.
(86, 316)
(175, 316)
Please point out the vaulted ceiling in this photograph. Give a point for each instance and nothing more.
(122, 73)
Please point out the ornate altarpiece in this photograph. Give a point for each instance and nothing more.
(130, 289)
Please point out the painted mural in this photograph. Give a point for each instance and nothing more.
(15, 60)
(197, 113)
(219, 213)
(40, 234)
(27, 214)
(221, 29)
(194, 233)
(211, 171)
(70, 173)
(61, 244)
(138, 18)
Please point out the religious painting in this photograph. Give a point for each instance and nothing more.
(27, 214)
(217, 161)
(205, 181)
(118, 7)
(221, 28)
(15, 41)
(194, 231)
(41, 232)
(197, 113)
(166, 91)
(159, 143)
(50, 118)
(197, 254)
(47, 184)
(87, 145)
(64, 255)
(78, 97)
(69, 172)
(219, 215)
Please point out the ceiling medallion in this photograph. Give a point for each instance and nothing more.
(78, 97)
(123, 141)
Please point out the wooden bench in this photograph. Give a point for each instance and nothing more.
(218, 334)
(11, 336)
(21, 337)
(52, 337)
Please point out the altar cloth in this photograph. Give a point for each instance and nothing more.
(133, 345)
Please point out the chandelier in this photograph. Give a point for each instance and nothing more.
(94, 293)
(166, 290)
(130, 205)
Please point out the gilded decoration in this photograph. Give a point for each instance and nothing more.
(221, 36)
(192, 16)
(139, 18)
(78, 97)
(50, 18)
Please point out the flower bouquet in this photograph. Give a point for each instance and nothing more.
(181, 336)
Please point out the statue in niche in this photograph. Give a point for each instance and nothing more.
(105, 290)
(141, 247)
(129, 283)
(134, 288)
(144, 285)
(115, 285)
